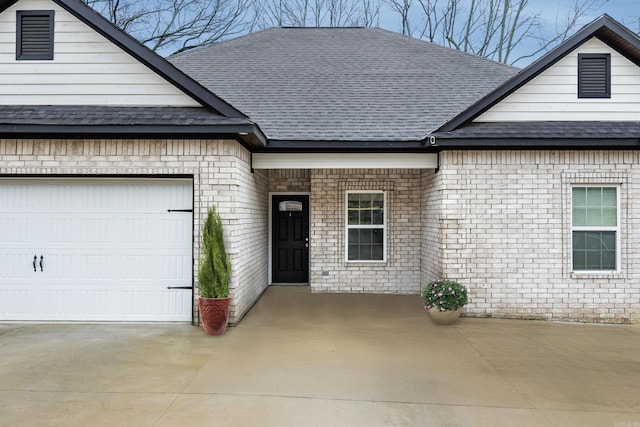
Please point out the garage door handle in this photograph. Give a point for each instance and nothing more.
(35, 258)
(41, 259)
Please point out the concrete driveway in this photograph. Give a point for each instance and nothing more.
(300, 359)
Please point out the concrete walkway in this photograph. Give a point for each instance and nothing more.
(299, 359)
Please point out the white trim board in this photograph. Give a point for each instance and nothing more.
(344, 160)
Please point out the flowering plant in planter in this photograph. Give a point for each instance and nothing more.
(447, 295)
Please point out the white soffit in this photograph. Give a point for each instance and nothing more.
(344, 160)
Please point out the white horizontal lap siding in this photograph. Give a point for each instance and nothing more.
(553, 94)
(87, 69)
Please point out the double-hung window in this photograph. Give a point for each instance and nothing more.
(595, 228)
(366, 226)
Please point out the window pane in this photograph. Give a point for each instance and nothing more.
(365, 208)
(365, 201)
(609, 198)
(354, 248)
(579, 260)
(354, 201)
(609, 260)
(354, 218)
(579, 203)
(594, 243)
(594, 217)
(609, 240)
(353, 254)
(378, 217)
(365, 252)
(365, 217)
(366, 244)
(377, 252)
(377, 203)
(609, 217)
(594, 196)
(579, 216)
(594, 260)
(594, 207)
(579, 197)
(290, 206)
(594, 250)
(579, 241)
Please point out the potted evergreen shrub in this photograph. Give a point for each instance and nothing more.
(213, 277)
(443, 300)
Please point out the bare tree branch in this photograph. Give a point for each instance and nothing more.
(493, 29)
(172, 26)
(403, 9)
(316, 13)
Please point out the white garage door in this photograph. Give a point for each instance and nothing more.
(96, 249)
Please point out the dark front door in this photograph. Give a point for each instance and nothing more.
(290, 239)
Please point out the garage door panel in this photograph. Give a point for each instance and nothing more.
(50, 232)
(111, 250)
(95, 305)
(160, 269)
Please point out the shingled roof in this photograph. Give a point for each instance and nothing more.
(216, 118)
(108, 120)
(542, 134)
(342, 84)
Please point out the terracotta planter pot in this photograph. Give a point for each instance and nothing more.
(444, 317)
(214, 313)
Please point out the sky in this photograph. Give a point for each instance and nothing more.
(626, 12)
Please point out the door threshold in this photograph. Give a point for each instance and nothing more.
(290, 284)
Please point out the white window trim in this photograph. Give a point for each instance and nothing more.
(347, 227)
(603, 228)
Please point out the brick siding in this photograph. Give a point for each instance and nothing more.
(506, 233)
(498, 221)
(400, 274)
(221, 176)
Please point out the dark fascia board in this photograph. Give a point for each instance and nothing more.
(6, 4)
(248, 134)
(306, 145)
(536, 143)
(146, 56)
(606, 28)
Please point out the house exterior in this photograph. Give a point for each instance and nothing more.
(351, 160)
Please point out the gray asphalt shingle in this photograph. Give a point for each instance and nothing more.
(342, 84)
(87, 115)
(554, 129)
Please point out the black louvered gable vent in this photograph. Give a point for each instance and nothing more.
(35, 35)
(594, 76)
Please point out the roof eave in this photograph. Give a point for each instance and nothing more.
(6, 4)
(343, 145)
(530, 143)
(249, 134)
